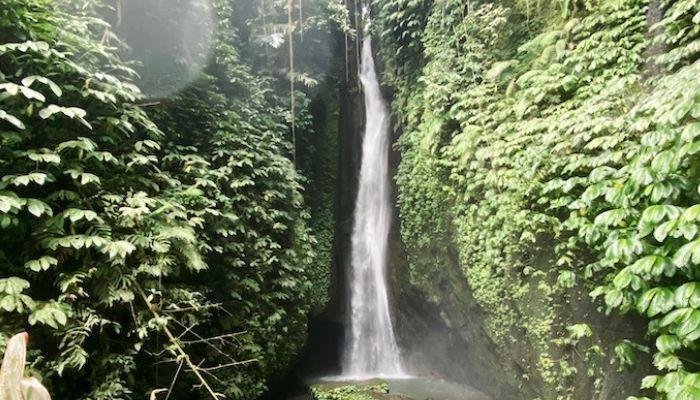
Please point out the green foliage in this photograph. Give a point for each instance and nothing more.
(349, 391)
(120, 222)
(319, 137)
(264, 25)
(554, 158)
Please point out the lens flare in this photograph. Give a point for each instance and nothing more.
(172, 43)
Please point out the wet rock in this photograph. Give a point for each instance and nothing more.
(384, 396)
(369, 385)
(359, 390)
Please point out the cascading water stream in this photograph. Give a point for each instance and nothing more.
(371, 349)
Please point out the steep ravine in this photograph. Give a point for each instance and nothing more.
(440, 326)
(438, 340)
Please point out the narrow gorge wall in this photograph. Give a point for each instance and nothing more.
(539, 147)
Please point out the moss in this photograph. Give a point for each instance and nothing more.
(366, 390)
(318, 150)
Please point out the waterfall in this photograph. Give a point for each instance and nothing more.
(371, 348)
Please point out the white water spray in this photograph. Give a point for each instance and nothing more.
(371, 348)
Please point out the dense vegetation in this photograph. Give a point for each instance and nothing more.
(168, 203)
(553, 146)
(367, 390)
(159, 244)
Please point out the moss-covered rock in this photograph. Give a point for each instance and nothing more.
(364, 390)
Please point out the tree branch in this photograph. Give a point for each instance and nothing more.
(174, 341)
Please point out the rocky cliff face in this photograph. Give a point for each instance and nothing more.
(442, 332)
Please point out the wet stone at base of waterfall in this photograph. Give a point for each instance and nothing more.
(412, 388)
(373, 389)
(373, 385)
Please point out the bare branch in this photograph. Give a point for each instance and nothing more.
(186, 309)
(220, 337)
(154, 392)
(172, 384)
(233, 364)
(174, 341)
(206, 342)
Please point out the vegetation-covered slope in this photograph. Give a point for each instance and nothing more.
(149, 243)
(553, 147)
(167, 243)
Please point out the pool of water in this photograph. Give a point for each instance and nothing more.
(435, 389)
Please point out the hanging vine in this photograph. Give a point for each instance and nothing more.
(292, 95)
